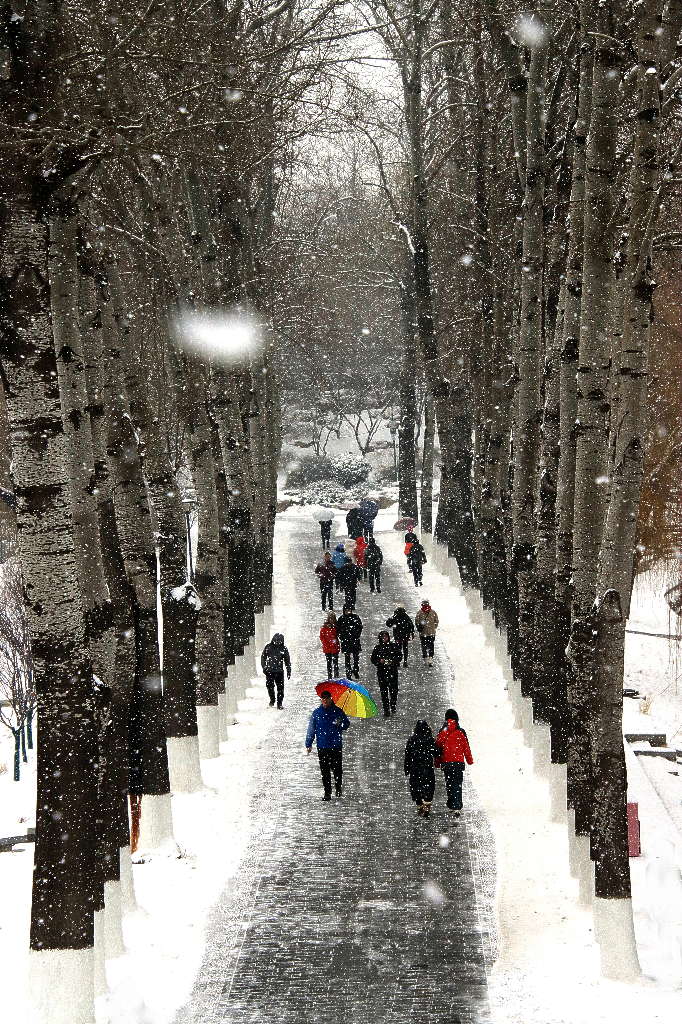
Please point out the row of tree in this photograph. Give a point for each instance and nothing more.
(140, 176)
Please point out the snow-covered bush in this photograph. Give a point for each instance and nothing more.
(349, 470)
(308, 469)
(330, 492)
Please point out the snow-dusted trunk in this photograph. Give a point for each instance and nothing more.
(407, 469)
(627, 448)
(530, 356)
(62, 907)
(8, 519)
(594, 359)
(426, 484)
(148, 763)
(568, 401)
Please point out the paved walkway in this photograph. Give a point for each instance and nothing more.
(354, 911)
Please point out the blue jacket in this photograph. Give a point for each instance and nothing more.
(338, 557)
(326, 725)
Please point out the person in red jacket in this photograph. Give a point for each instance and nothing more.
(453, 751)
(330, 646)
(359, 555)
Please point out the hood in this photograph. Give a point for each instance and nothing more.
(278, 640)
(339, 547)
(384, 636)
(426, 606)
(423, 729)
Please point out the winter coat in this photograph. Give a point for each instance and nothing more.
(374, 556)
(386, 652)
(329, 640)
(416, 556)
(360, 551)
(347, 576)
(402, 624)
(420, 753)
(275, 656)
(326, 726)
(326, 571)
(349, 630)
(453, 744)
(428, 620)
(354, 523)
(368, 512)
(339, 556)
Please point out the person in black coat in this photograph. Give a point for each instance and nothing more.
(349, 629)
(354, 523)
(326, 570)
(347, 580)
(415, 563)
(403, 630)
(373, 559)
(420, 753)
(386, 657)
(274, 659)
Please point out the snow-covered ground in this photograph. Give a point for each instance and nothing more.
(547, 971)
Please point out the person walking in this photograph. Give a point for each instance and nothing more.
(416, 559)
(339, 556)
(327, 725)
(274, 660)
(374, 558)
(329, 639)
(410, 538)
(403, 630)
(349, 630)
(453, 748)
(326, 526)
(359, 555)
(426, 621)
(420, 757)
(347, 580)
(369, 509)
(386, 656)
(326, 570)
(354, 522)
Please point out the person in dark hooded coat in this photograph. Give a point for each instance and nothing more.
(274, 660)
(420, 754)
(347, 580)
(373, 560)
(386, 657)
(354, 523)
(403, 630)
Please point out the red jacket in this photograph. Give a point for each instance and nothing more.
(453, 744)
(359, 553)
(408, 546)
(329, 640)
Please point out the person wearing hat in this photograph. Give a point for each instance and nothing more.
(326, 726)
(274, 660)
(454, 752)
(426, 621)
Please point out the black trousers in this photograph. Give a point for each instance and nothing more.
(404, 648)
(350, 597)
(327, 593)
(331, 763)
(427, 645)
(325, 532)
(332, 666)
(418, 573)
(454, 775)
(352, 659)
(272, 680)
(388, 687)
(375, 580)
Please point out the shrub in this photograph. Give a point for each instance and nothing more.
(308, 469)
(349, 470)
(330, 492)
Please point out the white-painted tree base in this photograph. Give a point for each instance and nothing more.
(615, 932)
(128, 898)
(184, 769)
(113, 921)
(542, 750)
(527, 724)
(208, 729)
(99, 970)
(557, 794)
(61, 985)
(156, 822)
(580, 862)
(222, 716)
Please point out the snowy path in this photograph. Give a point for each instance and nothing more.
(355, 910)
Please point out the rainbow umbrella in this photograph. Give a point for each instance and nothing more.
(352, 698)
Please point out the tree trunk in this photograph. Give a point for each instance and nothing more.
(407, 470)
(426, 487)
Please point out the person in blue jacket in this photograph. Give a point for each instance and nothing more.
(327, 723)
(339, 556)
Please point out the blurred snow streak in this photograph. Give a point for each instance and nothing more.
(224, 337)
